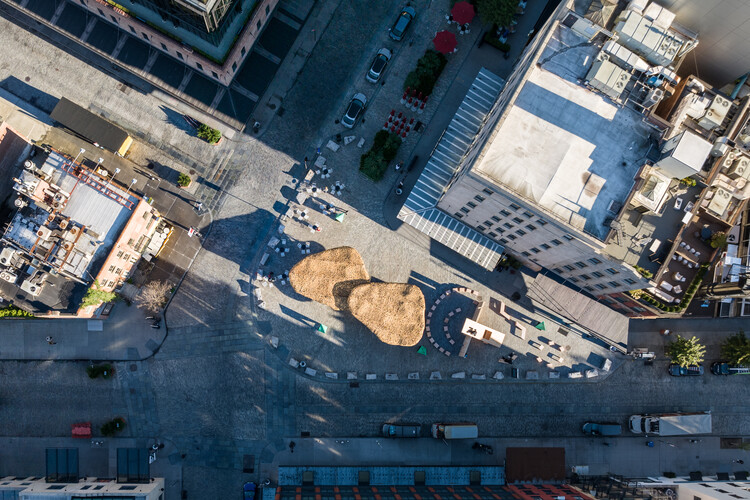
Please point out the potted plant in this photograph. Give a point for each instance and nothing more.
(209, 134)
(112, 427)
(184, 180)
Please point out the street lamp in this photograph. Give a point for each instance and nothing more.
(132, 183)
(117, 171)
(80, 152)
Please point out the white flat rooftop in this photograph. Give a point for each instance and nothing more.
(564, 146)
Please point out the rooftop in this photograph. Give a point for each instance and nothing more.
(564, 146)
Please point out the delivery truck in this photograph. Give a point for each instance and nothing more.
(671, 424)
(462, 430)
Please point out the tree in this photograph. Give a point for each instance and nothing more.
(736, 350)
(719, 240)
(95, 296)
(499, 12)
(183, 180)
(686, 352)
(153, 296)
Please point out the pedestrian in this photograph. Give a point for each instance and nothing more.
(292, 444)
(741, 462)
(306, 167)
(50, 340)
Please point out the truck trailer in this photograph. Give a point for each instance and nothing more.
(671, 424)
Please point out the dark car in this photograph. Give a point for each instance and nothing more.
(685, 371)
(596, 429)
(378, 65)
(401, 430)
(355, 108)
(402, 23)
(724, 368)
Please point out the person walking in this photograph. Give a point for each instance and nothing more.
(50, 340)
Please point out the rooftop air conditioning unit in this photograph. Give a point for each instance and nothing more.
(740, 168)
(729, 159)
(44, 232)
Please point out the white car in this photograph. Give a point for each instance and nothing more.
(677, 203)
(355, 108)
(378, 65)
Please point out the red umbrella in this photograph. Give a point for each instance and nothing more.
(445, 42)
(463, 12)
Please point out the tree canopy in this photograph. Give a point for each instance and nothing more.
(736, 350)
(498, 12)
(686, 352)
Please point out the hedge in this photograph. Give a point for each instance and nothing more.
(374, 163)
(11, 311)
(492, 40)
(428, 70)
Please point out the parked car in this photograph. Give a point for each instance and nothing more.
(401, 430)
(724, 368)
(604, 429)
(684, 371)
(405, 18)
(378, 65)
(356, 106)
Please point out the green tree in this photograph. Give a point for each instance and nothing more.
(183, 180)
(736, 350)
(95, 296)
(686, 352)
(390, 148)
(208, 134)
(498, 12)
(719, 240)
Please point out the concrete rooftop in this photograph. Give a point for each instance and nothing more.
(563, 146)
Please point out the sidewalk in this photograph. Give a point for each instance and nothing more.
(628, 456)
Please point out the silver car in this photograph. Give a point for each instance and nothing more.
(405, 18)
(378, 65)
(356, 106)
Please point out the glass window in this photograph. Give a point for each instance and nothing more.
(528, 214)
(234, 66)
(243, 51)
(213, 73)
(585, 277)
(508, 225)
(479, 198)
(459, 215)
(511, 237)
(488, 223)
(569, 267)
(481, 229)
(526, 254)
(573, 280)
(595, 261)
(258, 25)
(521, 232)
(179, 55)
(601, 286)
(568, 237)
(199, 66)
(517, 220)
(531, 227)
(488, 192)
(558, 270)
(581, 265)
(597, 274)
(145, 36)
(535, 249)
(613, 271)
(614, 284)
(131, 29)
(629, 281)
(557, 243)
(465, 210)
(504, 213)
(471, 204)
(542, 222)
(164, 47)
(268, 9)
(492, 234)
(503, 241)
(545, 246)
(513, 206)
(495, 218)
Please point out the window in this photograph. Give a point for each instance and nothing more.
(535, 249)
(503, 241)
(111, 268)
(459, 215)
(601, 286)
(614, 284)
(542, 222)
(613, 271)
(531, 227)
(557, 243)
(145, 36)
(629, 281)
(488, 192)
(517, 220)
(581, 265)
(234, 67)
(492, 234)
(569, 267)
(258, 25)
(133, 30)
(528, 214)
(511, 237)
(521, 232)
(568, 237)
(595, 261)
(465, 210)
(131, 242)
(481, 229)
(597, 274)
(495, 218)
(558, 270)
(164, 47)
(118, 271)
(471, 204)
(526, 254)
(243, 51)
(126, 256)
(589, 288)
(179, 55)
(545, 246)
(513, 206)
(480, 198)
(101, 12)
(213, 73)
(508, 225)
(268, 9)
(573, 280)
(199, 66)
(114, 19)
(119, 254)
(488, 223)
(585, 277)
